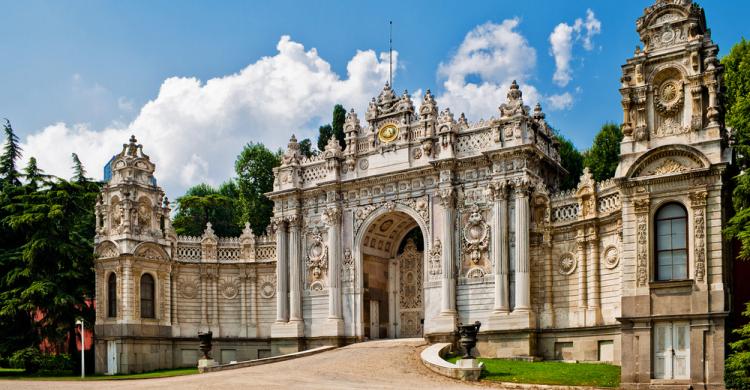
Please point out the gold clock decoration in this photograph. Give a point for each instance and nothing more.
(388, 133)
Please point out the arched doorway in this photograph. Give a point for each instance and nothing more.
(392, 250)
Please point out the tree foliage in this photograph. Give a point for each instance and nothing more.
(254, 168)
(10, 156)
(604, 155)
(305, 148)
(202, 204)
(335, 129)
(46, 253)
(572, 160)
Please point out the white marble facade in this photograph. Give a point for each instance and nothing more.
(555, 274)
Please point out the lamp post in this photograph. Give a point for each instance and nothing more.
(83, 348)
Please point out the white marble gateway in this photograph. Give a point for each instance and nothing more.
(425, 219)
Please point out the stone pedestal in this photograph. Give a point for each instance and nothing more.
(468, 363)
(204, 363)
(291, 329)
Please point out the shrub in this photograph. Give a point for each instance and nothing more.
(32, 361)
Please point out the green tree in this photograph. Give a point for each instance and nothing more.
(305, 147)
(572, 160)
(325, 133)
(737, 117)
(335, 129)
(79, 173)
(9, 159)
(46, 261)
(34, 175)
(339, 117)
(254, 168)
(737, 105)
(604, 155)
(202, 204)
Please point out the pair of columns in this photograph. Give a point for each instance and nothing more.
(290, 258)
(500, 249)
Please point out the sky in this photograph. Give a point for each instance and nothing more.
(194, 81)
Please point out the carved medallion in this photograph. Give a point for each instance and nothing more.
(267, 286)
(364, 164)
(476, 235)
(611, 257)
(229, 288)
(188, 287)
(567, 264)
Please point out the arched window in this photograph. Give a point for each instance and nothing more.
(112, 295)
(671, 242)
(147, 296)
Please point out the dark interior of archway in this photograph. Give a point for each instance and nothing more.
(414, 235)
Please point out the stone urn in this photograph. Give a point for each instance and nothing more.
(468, 338)
(205, 345)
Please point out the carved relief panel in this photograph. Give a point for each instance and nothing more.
(475, 243)
(410, 291)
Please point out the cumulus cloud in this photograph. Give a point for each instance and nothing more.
(561, 101)
(477, 76)
(194, 130)
(562, 39)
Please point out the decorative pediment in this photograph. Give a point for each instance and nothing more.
(107, 250)
(150, 251)
(668, 160)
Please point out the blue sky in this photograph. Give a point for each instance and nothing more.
(77, 76)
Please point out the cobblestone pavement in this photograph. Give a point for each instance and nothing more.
(385, 364)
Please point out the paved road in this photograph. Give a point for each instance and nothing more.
(385, 364)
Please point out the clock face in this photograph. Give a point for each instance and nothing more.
(388, 133)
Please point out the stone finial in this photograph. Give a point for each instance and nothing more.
(514, 92)
(209, 232)
(247, 231)
(514, 105)
(428, 110)
(538, 114)
(333, 148)
(292, 154)
(351, 123)
(587, 180)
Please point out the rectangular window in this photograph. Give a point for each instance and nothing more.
(671, 350)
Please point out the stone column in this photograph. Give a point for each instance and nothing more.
(332, 217)
(582, 278)
(295, 262)
(204, 297)
(523, 276)
(243, 299)
(500, 248)
(549, 296)
(282, 272)
(594, 285)
(215, 303)
(448, 296)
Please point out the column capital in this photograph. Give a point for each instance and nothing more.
(294, 221)
(698, 198)
(521, 186)
(332, 216)
(499, 190)
(447, 197)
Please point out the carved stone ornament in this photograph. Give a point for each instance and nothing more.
(188, 287)
(267, 286)
(364, 164)
(669, 166)
(229, 288)
(435, 263)
(347, 269)
(567, 264)
(669, 97)
(108, 250)
(611, 257)
(642, 250)
(699, 221)
(476, 235)
(475, 273)
(317, 257)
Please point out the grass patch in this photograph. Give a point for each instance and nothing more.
(550, 373)
(12, 373)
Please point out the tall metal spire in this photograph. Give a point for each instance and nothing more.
(390, 53)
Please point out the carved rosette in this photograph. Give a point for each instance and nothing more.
(611, 257)
(317, 261)
(567, 264)
(476, 234)
(229, 287)
(267, 286)
(188, 287)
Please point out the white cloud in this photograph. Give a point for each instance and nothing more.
(193, 131)
(562, 39)
(561, 101)
(494, 54)
(125, 104)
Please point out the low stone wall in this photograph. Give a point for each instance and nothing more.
(432, 358)
(258, 362)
